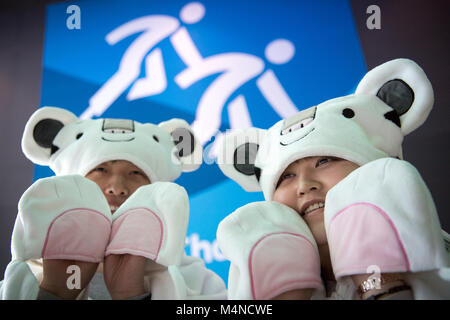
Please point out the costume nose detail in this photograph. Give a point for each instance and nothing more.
(118, 126)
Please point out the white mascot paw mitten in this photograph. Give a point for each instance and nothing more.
(61, 217)
(152, 223)
(382, 217)
(65, 217)
(271, 250)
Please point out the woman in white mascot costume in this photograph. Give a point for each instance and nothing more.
(377, 225)
(68, 216)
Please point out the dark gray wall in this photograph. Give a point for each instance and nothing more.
(411, 29)
(21, 41)
(418, 30)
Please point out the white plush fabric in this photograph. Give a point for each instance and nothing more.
(415, 77)
(61, 217)
(397, 191)
(19, 282)
(159, 214)
(189, 280)
(271, 251)
(330, 134)
(67, 216)
(46, 211)
(354, 127)
(84, 144)
(366, 128)
(394, 229)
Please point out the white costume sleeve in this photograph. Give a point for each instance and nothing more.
(64, 217)
(190, 280)
(271, 251)
(382, 217)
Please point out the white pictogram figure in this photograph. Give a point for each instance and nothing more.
(279, 51)
(236, 69)
(154, 28)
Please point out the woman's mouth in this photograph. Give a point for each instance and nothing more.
(113, 208)
(312, 208)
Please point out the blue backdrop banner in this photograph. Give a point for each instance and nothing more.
(218, 64)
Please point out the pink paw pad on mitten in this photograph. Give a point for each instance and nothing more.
(271, 251)
(62, 217)
(152, 223)
(138, 231)
(77, 234)
(362, 235)
(280, 262)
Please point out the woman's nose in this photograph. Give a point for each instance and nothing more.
(306, 185)
(117, 187)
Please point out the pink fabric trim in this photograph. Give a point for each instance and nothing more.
(362, 242)
(298, 269)
(138, 231)
(83, 238)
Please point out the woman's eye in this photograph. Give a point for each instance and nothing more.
(286, 176)
(283, 178)
(323, 161)
(98, 170)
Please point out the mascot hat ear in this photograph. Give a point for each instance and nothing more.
(237, 155)
(404, 86)
(189, 151)
(41, 130)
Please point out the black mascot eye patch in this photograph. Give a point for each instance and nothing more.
(244, 158)
(184, 141)
(257, 173)
(393, 116)
(398, 95)
(45, 132)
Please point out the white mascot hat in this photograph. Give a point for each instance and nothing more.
(57, 138)
(391, 100)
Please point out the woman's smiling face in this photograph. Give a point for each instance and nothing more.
(304, 184)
